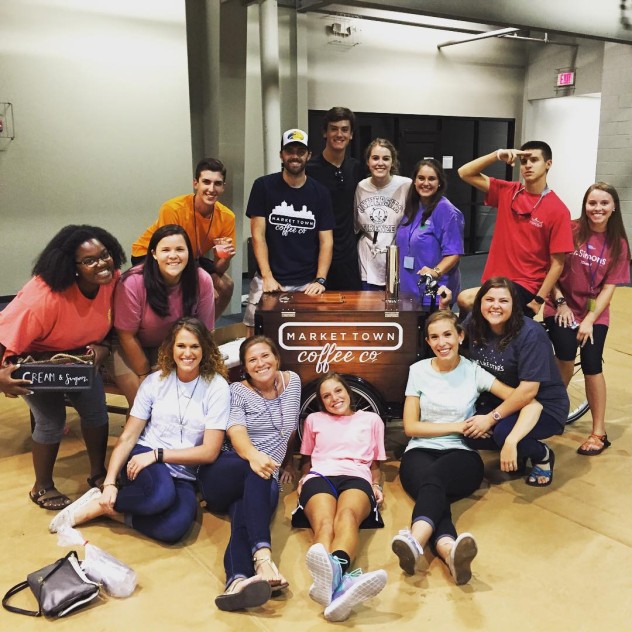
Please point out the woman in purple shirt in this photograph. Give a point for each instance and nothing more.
(430, 237)
(151, 297)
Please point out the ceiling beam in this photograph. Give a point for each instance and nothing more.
(608, 21)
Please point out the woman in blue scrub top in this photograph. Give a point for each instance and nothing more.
(430, 237)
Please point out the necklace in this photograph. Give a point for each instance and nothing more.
(279, 404)
(181, 417)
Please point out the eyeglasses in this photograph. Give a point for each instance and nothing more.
(340, 177)
(520, 206)
(90, 262)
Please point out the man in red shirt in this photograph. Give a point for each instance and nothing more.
(533, 226)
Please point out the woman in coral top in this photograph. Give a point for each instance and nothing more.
(66, 305)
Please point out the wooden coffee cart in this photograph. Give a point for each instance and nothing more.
(358, 334)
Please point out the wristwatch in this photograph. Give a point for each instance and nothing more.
(538, 299)
(560, 301)
(496, 416)
(437, 271)
(321, 280)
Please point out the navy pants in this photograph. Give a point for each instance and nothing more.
(530, 446)
(155, 503)
(436, 478)
(230, 486)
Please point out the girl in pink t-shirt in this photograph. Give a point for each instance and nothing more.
(577, 312)
(339, 492)
(150, 298)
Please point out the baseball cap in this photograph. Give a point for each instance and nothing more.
(294, 136)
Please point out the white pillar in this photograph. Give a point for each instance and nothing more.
(270, 92)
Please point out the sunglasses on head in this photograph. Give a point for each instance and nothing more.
(521, 204)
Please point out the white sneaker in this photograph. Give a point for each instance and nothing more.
(461, 556)
(408, 550)
(66, 517)
(326, 573)
(354, 589)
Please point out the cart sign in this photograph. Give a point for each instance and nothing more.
(325, 343)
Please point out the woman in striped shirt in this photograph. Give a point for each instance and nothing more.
(244, 481)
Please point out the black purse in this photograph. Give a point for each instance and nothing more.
(60, 588)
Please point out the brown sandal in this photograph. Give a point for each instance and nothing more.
(598, 442)
(50, 498)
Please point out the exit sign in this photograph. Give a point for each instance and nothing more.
(565, 79)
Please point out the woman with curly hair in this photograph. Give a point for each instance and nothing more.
(379, 207)
(177, 423)
(66, 306)
(149, 298)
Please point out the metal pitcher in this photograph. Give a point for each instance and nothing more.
(392, 274)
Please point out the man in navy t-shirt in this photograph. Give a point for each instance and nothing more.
(291, 222)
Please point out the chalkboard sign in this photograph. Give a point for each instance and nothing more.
(56, 377)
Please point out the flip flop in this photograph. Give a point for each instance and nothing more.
(45, 498)
(253, 592)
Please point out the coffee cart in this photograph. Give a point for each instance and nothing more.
(372, 341)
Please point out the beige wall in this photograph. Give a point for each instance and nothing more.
(100, 97)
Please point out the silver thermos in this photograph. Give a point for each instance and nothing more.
(392, 274)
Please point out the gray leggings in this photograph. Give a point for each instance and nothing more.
(49, 410)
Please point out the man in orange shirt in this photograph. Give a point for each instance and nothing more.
(206, 220)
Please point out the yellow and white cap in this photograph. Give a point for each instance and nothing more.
(294, 136)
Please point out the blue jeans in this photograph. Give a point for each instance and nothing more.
(49, 410)
(155, 503)
(366, 286)
(230, 486)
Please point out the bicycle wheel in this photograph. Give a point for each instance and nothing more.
(364, 398)
(577, 394)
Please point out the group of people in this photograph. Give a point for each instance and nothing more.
(319, 225)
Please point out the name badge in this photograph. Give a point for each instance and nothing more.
(409, 263)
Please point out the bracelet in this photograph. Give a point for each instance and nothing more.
(436, 269)
(378, 486)
(108, 485)
(161, 455)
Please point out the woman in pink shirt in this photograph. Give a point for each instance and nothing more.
(577, 312)
(150, 298)
(340, 491)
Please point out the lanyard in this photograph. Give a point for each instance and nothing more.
(593, 273)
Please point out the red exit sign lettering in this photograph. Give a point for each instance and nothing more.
(565, 79)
